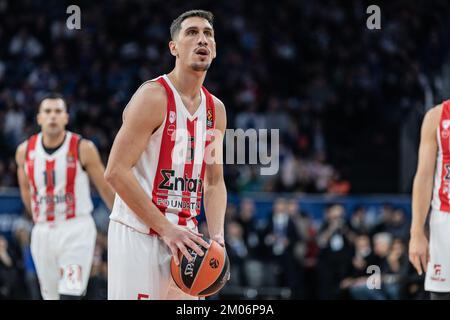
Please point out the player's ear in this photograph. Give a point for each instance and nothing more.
(173, 48)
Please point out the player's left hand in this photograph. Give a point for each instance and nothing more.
(219, 239)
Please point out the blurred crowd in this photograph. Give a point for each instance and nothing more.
(344, 256)
(285, 256)
(314, 69)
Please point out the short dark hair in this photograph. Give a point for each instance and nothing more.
(175, 27)
(52, 95)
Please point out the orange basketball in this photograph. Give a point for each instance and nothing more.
(204, 276)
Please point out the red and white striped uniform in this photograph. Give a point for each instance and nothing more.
(172, 167)
(441, 194)
(59, 186)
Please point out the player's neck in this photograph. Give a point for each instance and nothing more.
(187, 83)
(52, 141)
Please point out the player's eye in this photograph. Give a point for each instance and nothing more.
(191, 32)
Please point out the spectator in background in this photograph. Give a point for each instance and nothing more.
(251, 227)
(335, 251)
(22, 233)
(358, 222)
(356, 279)
(398, 226)
(9, 273)
(280, 238)
(237, 252)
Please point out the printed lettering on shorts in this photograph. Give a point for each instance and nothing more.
(143, 296)
(437, 271)
(72, 277)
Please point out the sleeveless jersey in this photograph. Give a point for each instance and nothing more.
(171, 169)
(441, 194)
(59, 187)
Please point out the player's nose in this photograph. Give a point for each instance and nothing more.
(202, 40)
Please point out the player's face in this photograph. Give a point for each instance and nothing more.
(52, 116)
(195, 45)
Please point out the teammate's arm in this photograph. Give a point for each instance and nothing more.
(145, 113)
(22, 176)
(422, 189)
(214, 185)
(91, 161)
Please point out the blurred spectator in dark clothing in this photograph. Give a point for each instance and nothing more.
(384, 219)
(398, 226)
(251, 227)
(9, 273)
(356, 281)
(22, 235)
(280, 238)
(335, 252)
(395, 271)
(358, 223)
(237, 252)
(98, 284)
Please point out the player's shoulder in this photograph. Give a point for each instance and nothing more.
(219, 105)
(149, 99)
(21, 151)
(433, 115)
(152, 90)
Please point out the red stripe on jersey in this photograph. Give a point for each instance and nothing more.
(72, 158)
(210, 125)
(159, 197)
(188, 168)
(444, 132)
(50, 189)
(30, 172)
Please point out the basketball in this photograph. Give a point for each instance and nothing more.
(204, 276)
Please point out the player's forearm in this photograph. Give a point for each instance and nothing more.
(131, 192)
(215, 206)
(422, 190)
(107, 195)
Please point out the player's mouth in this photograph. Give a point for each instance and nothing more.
(202, 52)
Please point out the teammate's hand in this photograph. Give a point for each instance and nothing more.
(179, 238)
(418, 252)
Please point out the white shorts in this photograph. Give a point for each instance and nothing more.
(139, 266)
(438, 270)
(63, 253)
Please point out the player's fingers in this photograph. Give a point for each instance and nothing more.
(175, 255)
(184, 251)
(200, 241)
(416, 263)
(423, 261)
(194, 247)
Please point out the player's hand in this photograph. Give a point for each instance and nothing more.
(179, 238)
(219, 239)
(418, 252)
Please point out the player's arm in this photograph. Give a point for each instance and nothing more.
(22, 176)
(91, 161)
(422, 189)
(145, 113)
(215, 198)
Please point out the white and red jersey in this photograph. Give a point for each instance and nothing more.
(441, 194)
(59, 187)
(171, 169)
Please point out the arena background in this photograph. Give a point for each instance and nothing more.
(347, 100)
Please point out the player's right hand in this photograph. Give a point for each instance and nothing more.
(418, 252)
(179, 238)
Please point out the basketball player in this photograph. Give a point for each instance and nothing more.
(431, 186)
(157, 167)
(54, 167)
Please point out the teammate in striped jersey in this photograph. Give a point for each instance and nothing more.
(431, 187)
(54, 167)
(158, 168)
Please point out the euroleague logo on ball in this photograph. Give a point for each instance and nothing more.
(214, 263)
